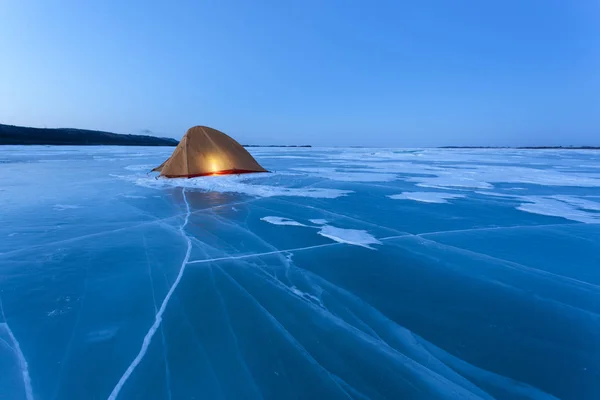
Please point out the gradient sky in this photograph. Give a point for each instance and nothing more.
(344, 72)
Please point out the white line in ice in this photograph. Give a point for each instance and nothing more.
(162, 333)
(124, 228)
(498, 228)
(284, 251)
(20, 357)
(262, 254)
(158, 318)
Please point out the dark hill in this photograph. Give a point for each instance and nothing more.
(10, 134)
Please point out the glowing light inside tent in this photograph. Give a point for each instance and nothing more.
(213, 164)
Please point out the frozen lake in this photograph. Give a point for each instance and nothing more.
(345, 273)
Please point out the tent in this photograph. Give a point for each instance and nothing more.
(205, 151)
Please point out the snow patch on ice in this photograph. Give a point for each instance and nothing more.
(426, 197)
(560, 206)
(451, 182)
(281, 221)
(237, 184)
(480, 177)
(578, 202)
(570, 207)
(318, 221)
(62, 207)
(355, 237)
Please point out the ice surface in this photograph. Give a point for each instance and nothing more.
(102, 335)
(313, 281)
(349, 176)
(427, 197)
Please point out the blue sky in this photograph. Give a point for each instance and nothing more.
(344, 72)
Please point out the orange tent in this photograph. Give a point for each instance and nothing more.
(206, 151)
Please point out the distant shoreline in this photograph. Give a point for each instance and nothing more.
(19, 135)
(26, 136)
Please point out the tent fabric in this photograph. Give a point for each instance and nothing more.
(207, 151)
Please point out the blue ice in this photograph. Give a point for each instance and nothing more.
(347, 273)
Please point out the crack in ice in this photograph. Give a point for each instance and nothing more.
(16, 347)
(287, 334)
(241, 359)
(497, 228)
(262, 254)
(124, 228)
(563, 279)
(158, 318)
(4, 342)
(162, 332)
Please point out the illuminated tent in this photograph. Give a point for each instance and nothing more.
(206, 151)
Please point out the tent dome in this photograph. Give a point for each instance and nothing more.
(207, 151)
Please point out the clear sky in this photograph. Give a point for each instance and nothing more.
(343, 72)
